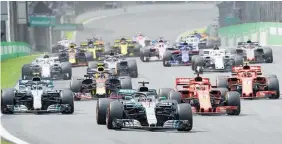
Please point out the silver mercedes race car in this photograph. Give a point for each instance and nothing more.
(216, 60)
(146, 110)
(36, 96)
(47, 67)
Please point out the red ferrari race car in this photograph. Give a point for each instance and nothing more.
(250, 83)
(203, 97)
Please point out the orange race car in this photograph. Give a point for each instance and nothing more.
(250, 83)
(206, 99)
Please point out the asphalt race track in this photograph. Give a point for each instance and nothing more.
(260, 121)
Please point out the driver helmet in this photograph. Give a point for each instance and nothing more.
(46, 56)
(249, 41)
(140, 34)
(195, 32)
(216, 47)
(197, 87)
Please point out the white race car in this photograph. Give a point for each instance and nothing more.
(61, 45)
(215, 60)
(153, 52)
(253, 52)
(48, 68)
(142, 40)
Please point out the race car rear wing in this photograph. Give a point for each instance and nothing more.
(237, 69)
(244, 43)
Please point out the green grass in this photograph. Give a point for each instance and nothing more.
(11, 70)
(5, 142)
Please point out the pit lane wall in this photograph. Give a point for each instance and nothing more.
(14, 49)
(266, 33)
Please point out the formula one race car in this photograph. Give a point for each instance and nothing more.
(65, 43)
(253, 53)
(47, 67)
(217, 60)
(98, 83)
(153, 52)
(181, 55)
(147, 111)
(76, 56)
(118, 65)
(204, 99)
(192, 41)
(126, 47)
(36, 96)
(141, 40)
(250, 83)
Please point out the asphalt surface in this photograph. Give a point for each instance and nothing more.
(259, 122)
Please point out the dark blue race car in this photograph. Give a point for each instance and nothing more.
(180, 55)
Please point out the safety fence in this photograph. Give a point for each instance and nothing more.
(240, 12)
(14, 49)
(266, 33)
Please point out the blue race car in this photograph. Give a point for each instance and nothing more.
(180, 55)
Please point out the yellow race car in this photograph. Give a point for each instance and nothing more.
(126, 47)
(76, 56)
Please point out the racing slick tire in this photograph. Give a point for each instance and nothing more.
(92, 64)
(89, 56)
(221, 82)
(233, 99)
(101, 110)
(192, 61)
(125, 82)
(238, 60)
(164, 92)
(198, 64)
(174, 95)
(133, 70)
(271, 76)
(145, 55)
(166, 58)
(75, 86)
(114, 111)
(137, 49)
(67, 99)
(268, 55)
(7, 98)
(184, 112)
(26, 70)
(66, 70)
(273, 85)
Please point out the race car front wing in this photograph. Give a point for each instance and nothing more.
(135, 124)
(56, 108)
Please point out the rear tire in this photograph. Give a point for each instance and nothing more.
(26, 71)
(133, 70)
(164, 92)
(166, 58)
(174, 95)
(125, 82)
(273, 85)
(66, 69)
(233, 99)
